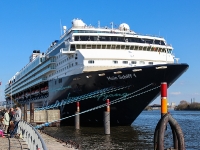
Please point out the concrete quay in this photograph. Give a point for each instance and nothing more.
(55, 144)
(7, 143)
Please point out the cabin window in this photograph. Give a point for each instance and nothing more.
(108, 46)
(131, 47)
(83, 46)
(72, 47)
(125, 62)
(122, 46)
(142, 62)
(118, 47)
(90, 61)
(127, 47)
(60, 80)
(103, 46)
(113, 46)
(78, 46)
(93, 46)
(133, 62)
(150, 63)
(136, 48)
(98, 46)
(115, 62)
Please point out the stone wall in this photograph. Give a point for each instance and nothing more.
(44, 116)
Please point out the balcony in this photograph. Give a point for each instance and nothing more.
(67, 51)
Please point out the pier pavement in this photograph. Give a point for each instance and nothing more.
(7, 143)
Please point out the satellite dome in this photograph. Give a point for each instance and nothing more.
(78, 23)
(124, 27)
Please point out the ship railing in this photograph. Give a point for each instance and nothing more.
(27, 76)
(114, 31)
(31, 136)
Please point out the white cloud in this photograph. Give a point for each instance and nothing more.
(182, 83)
(196, 93)
(175, 93)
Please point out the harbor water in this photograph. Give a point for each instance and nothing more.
(138, 136)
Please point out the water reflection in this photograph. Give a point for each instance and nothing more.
(137, 136)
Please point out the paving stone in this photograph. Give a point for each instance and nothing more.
(7, 143)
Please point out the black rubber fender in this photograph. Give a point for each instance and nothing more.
(178, 137)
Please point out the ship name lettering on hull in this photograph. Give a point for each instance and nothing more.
(120, 77)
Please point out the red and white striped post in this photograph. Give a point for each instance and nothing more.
(163, 89)
(108, 105)
(107, 118)
(77, 116)
(78, 106)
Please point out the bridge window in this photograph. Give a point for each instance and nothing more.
(150, 63)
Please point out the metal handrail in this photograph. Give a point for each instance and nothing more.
(31, 136)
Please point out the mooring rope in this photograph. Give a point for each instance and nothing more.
(82, 97)
(123, 98)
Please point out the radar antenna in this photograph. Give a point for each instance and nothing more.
(98, 24)
(111, 25)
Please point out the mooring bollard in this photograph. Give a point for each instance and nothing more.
(159, 133)
(77, 116)
(107, 118)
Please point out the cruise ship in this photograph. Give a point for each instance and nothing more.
(92, 64)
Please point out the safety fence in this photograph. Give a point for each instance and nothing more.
(31, 136)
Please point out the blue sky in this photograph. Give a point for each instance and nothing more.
(27, 25)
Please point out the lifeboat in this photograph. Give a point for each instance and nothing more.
(37, 92)
(33, 92)
(44, 89)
